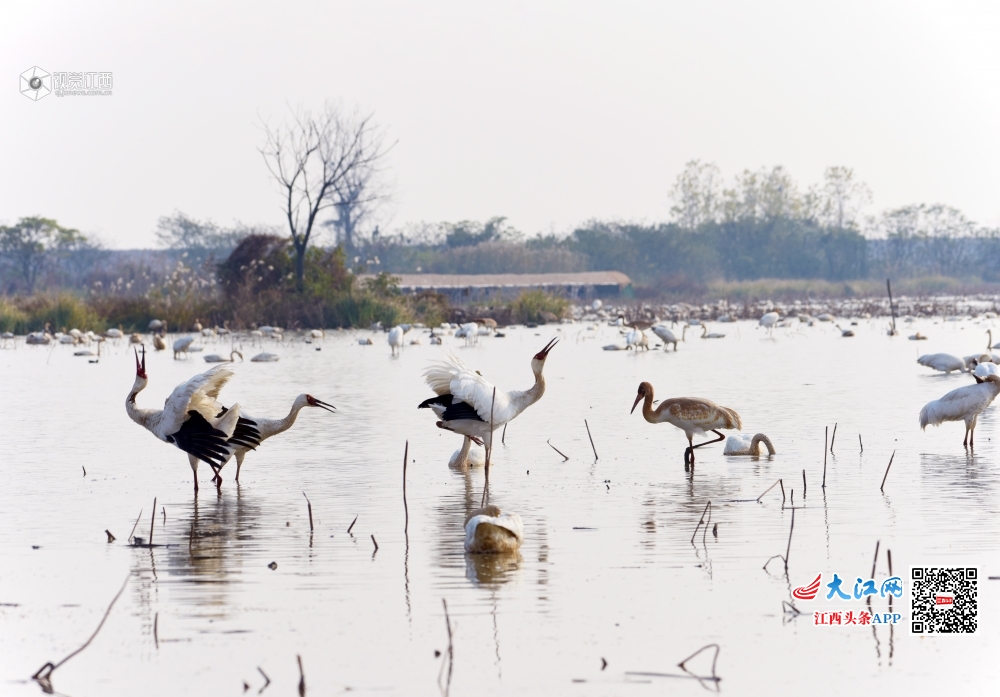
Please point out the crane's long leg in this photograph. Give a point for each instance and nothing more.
(239, 463)
(194, 468)
(692, 446)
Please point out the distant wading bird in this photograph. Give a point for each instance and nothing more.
(667, 336)
(944, 362)
(693, 416)
(192, 419)
(465, 403)
(963, 404)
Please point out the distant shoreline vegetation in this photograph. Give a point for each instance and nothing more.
(757, 237)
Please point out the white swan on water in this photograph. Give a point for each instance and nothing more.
(745, 444)
(467, 456)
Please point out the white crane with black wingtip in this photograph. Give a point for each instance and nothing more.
(192, 417)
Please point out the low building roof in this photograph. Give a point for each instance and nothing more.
(419, 281)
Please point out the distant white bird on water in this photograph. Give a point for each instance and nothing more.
(216, 358)
(962, 404)
(396, 339)
(182, 345)
(191, 419)
(465, 400)
(745, 444)
(692, 415)
(637, 339)
(845, 332)
(667, 336)
(945, 362)
(488, 530)
(265, 357)
(713, 335)
(768, 320)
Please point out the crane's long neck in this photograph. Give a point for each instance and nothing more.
(143, 417)
(273, 427)
(524, 399)
(647, 408)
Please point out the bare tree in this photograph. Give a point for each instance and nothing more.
(314, 158)
(696, 195)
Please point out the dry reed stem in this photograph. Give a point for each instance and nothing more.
(564, 455)
(374, 543)
(310, 507)
(152, 521)
(351, 526)
(768, 489)
(782, 484)
(111, 538)
(887, 471)
(860, 443)
(302, 677)
(825, 437)
(156, 630)
(406, 510)
(833, 438)
(803, 485)
(591, 439)
(708, 507)
(48, 668)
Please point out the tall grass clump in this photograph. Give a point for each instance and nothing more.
(538, 306)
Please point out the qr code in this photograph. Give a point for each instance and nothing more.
(944, 600)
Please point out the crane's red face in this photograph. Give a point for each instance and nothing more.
(140, 368)
(543, 354)
(313, 402)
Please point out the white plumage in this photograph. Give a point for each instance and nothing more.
(636, 338)
(962, 404)
(182, 345)
(666, 336)
(944, 362)
(396, 339)
(984, 369)
(490, 531)
(745, 444)
(265, 357)
(467, 456)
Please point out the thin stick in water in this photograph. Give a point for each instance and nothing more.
(352, 525)
(833, 438)
(310, 507)
(267, 679)
(768, 489)
(565, 456)
(827, 435)
(156, 629)
(789, 547)
(489, 451)
(152, 521)
(84, 471)
(860, 443)
(163, 509)
(887, 471)
(302, 677)
(803, 485)
(702, 520)
(374, 543)
(591, 439)
(44, 673)
(406, 510)
(782, 484)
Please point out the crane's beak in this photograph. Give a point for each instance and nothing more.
(638, 398)
(541, 355)
(140, 368)
(321, 404)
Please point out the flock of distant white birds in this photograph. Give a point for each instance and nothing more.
(464, 402)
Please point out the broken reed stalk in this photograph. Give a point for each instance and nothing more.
(111, 538)
(156, 630)
(349, 527)
(565, 456)
(267, 679)
(708, 507)
(310, 507)
(374, 543)
(768, 489)
(782, 484)
(45, 672)
(714, 659)
(887, 471)
(860, 443)
(163, 509)
(302, 677)
(803, 485)
(406, 510)
(788, 548)
(833, 438)
(591, 439)
(827, 434)
(84, 471)
(451, 646)
(489, 451)
(152, 521)
(888, 553)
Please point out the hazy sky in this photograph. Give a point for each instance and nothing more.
(549, 113)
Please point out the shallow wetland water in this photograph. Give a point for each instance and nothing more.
(607, 573)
